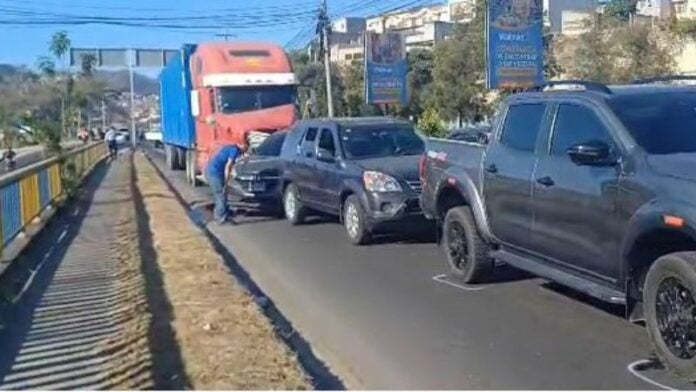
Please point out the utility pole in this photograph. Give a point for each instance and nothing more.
(324, 28)
(134, 138)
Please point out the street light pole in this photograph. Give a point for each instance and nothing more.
(327, 60)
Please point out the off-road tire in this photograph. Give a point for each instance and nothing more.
(680, 266)
(477, 262)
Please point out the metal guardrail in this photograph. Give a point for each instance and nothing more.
(27, 192)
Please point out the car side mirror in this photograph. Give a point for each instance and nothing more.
(325, 155)
(594, 153)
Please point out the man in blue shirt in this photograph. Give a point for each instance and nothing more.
(217, 173)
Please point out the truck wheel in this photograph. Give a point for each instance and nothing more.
(294, 211)
(180, 155)
(466, 251)
(170, 157)
(354, 221)
(669, 298)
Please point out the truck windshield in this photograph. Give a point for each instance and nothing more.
(248, 98)
(661, 123)
(363, 142)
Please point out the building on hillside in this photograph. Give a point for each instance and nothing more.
(461, 11)
(349, 25)
(409, 18)
(574, 22)
(345, 54)
(554, 10)
(654, 8)
(684, 8)
(427, 35)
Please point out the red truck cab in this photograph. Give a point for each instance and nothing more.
(238, 88)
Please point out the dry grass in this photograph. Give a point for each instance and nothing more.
(224, 340)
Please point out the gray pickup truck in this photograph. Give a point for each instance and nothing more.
(593, 187)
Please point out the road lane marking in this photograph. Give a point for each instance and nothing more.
(632, 369)
(443, 279)
(63, 235)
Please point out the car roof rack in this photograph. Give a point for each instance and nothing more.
(668, 78)
(572, 85)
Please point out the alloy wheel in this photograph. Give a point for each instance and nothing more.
(456, 245)
(676, 317)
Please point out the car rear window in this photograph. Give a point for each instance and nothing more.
(272, 145)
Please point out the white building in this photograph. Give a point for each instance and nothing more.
(461, 11)
(684, 8)
(574, 23)
(414, 17)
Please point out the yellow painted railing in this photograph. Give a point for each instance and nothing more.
(27, 192)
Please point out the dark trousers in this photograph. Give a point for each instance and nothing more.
(217, 185)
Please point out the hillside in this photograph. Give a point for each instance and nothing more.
(115, 80)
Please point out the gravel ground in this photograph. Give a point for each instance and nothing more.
(223, 339)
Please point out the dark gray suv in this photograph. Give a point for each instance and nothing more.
(364, 170)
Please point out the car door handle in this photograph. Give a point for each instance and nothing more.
(492, 168)
(546, 181)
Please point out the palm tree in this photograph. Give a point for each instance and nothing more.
(60, 45)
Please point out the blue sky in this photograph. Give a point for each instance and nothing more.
(269, 20)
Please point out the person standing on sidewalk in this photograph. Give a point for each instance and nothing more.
(110, 139)
(217, 174)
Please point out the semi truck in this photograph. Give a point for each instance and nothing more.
(217, 94)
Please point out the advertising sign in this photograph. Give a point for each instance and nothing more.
(386, 68)
(515, 43)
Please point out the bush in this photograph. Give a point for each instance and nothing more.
(431, 123)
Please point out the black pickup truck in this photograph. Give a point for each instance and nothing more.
(588, 185)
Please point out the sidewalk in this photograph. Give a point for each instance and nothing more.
(83, 324)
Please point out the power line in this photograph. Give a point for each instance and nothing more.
(43, 4)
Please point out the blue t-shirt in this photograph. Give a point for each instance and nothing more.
(219, 161)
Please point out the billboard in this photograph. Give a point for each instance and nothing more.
(386, 68)
(515, 40)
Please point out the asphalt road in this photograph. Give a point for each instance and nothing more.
(380, 320)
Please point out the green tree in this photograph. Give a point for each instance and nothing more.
(430, 124)
(420, 78)
(620, 9)
(459, 72)
(60, 45)
(615, 52)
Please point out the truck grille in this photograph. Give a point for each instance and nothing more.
(415, 185)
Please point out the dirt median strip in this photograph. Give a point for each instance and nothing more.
(224, 340)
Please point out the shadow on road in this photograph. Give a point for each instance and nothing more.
(60, 232)
(168, 369)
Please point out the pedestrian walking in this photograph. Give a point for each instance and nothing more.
(110, 139)
(218, 173)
